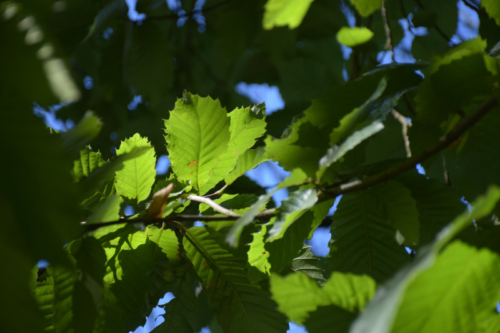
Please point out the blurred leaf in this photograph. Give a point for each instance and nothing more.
(447, 305)
(366, 7)
(108, 210)
(280, 13)
(224, 278)
(115, 9)
(351, 37)
(82, 134)
(136, 178)
(297, 294)
(291, 209)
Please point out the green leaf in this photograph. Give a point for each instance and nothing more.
(311, 265)
(326, 317)
(461, 277)
(381, 313)
(149, 62)
(108, 210)
(88, 162)
(284, 250)
(285, 12)
(257, 254)
(238, 304)
(351, 37)
(106, 173)
(44, 296)
(363, 241)
(476, 154)
(367, 7)
(81, 135)
(179, 311)
(136, 178)
(290, 155)
(336, 152)
(291, 209)
(112, 10)
(246, 162)
(437, 203)
(454, 87)
(246, 126)
(297, 295)
(198, 135)
(349, 122)
(493, 9)
(233, 236)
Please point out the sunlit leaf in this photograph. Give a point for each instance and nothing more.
(224, 277)
(367, 7)
(297, 294)
(246, 125)
(136, 178)
(198, 135)
(351, 37)
(257, 254)
(246, 162)
(285, 12)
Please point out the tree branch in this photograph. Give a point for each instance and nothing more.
(410, 163)
(388, 35)
(265, 214)
(443, 142)
(214, 205)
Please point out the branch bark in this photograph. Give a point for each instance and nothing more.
(214, 205)
(410, 163)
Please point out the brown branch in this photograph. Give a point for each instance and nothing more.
(410, 163)
(265, 214)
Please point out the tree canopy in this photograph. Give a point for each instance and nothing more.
(372, 89)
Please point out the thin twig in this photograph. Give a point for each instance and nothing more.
(410, 163)
(219, 192)
(404, 125)
(265, 214)
(214, 205)
(388, 35)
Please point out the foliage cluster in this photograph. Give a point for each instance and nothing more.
(350, 128)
